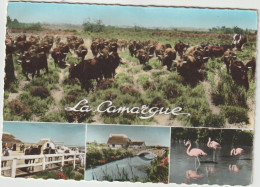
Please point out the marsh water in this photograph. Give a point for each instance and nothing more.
(226, 170)
(132, 167)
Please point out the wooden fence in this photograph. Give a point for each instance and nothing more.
(44, 161)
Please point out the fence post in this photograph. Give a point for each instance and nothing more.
(62, 160)
(74, 161)
(44, 163)
(14, 168)
(82, 161)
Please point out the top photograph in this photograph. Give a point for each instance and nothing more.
(130, 65)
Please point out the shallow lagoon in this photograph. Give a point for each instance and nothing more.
(131, 166)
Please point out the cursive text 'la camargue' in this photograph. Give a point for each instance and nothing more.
(107, 106)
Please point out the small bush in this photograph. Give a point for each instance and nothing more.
(129, 89)
(68, 81)
(72, 96)
(105, 84)
(39, 91)
(158, 102)
(19, 108)
(111, 96)
(236, 114)
(123, 78)
(143, 79)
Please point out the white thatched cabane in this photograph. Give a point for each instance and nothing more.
(117, 141)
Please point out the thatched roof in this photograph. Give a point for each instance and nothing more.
(9, 138)
(137, 142)
(118, 139)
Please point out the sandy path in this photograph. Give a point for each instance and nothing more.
(208, 91)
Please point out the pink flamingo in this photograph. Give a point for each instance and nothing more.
(195, 153)
(213, 145)
(237, 151)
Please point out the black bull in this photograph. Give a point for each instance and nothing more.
(97, 68)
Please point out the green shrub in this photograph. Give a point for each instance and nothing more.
(236, 114)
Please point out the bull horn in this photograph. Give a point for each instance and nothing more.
(205, 58)
(239, 66)
(226, 56)
(84, 50)
(28, 61)
(19, 61)
(234, 56)
(150, 55)
(77, 50)
(143, 55)
(249, 67)
(65, 53)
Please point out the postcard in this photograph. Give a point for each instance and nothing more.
(107, 64)
(126, 93)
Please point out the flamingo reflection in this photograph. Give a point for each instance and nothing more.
(210, 170)
(233, 168)
(190, 174)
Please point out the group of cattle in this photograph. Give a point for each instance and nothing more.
(33, 56)
(192, 58)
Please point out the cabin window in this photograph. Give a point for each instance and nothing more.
(48, 145)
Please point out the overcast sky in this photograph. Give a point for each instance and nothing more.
(151, 135)
(130, 16)
(70, 134)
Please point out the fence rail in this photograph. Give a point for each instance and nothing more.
(44, 161)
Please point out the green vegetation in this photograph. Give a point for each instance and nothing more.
(159, 169)
(96, 26)
(67, 173)
(223, 136)
(227, 30)
(15, 24)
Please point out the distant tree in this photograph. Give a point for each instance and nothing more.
(9, 20)
(96, 26)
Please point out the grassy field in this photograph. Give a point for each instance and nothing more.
(224, 104)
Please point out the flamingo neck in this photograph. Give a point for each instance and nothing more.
(188, 149)
(232, 152)
(208, 144)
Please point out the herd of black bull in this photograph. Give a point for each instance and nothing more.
(33, 56)
(192, 58)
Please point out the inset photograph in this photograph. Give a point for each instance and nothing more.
(211, 156)
(124, 153)
(43, 150)
(131, 66)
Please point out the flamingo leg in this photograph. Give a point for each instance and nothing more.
(214, 155)
(199, 163)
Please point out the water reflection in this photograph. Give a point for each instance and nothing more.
(227, 170)
(192, 175)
